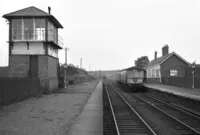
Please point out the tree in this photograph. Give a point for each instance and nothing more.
(141, 62)
(74, 74)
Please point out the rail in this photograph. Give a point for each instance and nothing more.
(178, 107)
(147, 128)
(188, 119)
(112, 110)
(169, 115)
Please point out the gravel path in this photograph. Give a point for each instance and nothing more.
(50, 115)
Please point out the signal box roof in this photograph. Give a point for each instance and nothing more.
(32, 12)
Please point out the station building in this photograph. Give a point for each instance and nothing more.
(168, 65)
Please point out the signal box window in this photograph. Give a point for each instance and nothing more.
(17, 29)
(39, 29)
(28, 29)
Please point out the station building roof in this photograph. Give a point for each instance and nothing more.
(162, 59)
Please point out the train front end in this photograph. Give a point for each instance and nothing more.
(135, 78)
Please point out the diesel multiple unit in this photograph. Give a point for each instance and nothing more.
(133, 77)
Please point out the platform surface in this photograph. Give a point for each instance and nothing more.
(90, 121)
(51, 114)
(180, 91)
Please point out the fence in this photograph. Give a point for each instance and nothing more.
(18, 89)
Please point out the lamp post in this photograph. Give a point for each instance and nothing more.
(193, 74)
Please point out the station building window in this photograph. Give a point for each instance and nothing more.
(153, 72)
(157, 73)
(173, 72)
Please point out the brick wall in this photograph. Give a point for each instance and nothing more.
(176, 81)
(53, 73)
(18, 66)
(185, 81)
(42, 67)
(47, 70)
(152, 80)
(43, 73)
(171, 63)
(52, 67)
(48, 73)
(4, 71)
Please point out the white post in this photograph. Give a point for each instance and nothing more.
(193, 74)
(65, 78)
(193, 79)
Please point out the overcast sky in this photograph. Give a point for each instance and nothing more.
(112, 34)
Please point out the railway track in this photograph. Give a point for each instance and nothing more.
(189, 121)
(180, 107)
(185, 116)
(108, 119)
(126, 119)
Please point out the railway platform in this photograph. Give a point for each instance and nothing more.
(180, 91)
(90, 121)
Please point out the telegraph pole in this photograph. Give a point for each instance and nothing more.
(66, 49)
(65, 76)
(80, 62)
(100, 74)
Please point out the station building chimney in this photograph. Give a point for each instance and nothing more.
(155, 55)
(165, 50)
